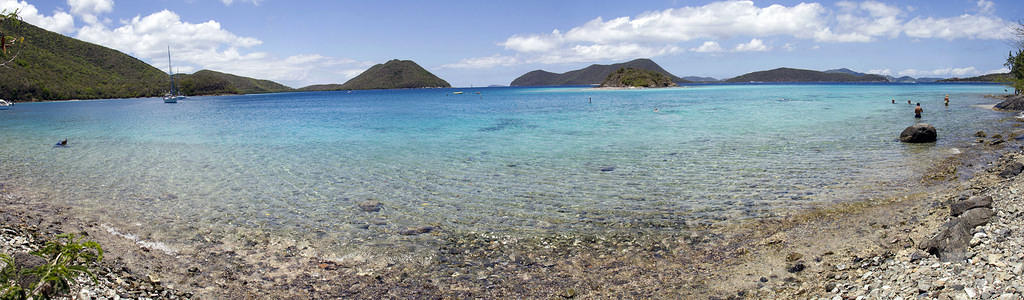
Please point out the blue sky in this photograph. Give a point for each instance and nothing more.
(492, 42)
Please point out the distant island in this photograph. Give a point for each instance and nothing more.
(994, 77)
(800, 75)
(632, 77)
(591, 75)
(206, 82)
(51, 66)
(394, 74)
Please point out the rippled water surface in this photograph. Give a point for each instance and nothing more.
(513, 160)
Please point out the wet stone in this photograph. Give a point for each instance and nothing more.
(370, 206)
(417, 230)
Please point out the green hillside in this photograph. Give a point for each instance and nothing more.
(321, 87)
(206, 82)
(630, 77)
(394, 74)
(51, 66)
(593, 74)
(799, 75)
(994, 77)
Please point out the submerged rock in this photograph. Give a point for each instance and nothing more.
(370, 206)
(919, 133)
(417, 230)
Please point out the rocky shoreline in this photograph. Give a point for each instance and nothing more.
(870, 249)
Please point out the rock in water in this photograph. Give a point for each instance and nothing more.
(919, 133)
(370, 206)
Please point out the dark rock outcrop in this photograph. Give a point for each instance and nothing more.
(1012, 170)
(919, 133)
(1012, 103)
(950, 243)
(957, 209)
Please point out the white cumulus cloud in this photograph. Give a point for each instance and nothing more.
(208, 45)
(941, 72)
(653, 32)
(755, 45)
(89, 10)
(709, 46)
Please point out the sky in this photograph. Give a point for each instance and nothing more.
(480, 43)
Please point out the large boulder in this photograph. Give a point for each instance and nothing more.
(919, 133)
(1012, 103)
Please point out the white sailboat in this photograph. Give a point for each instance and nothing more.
(173, 95)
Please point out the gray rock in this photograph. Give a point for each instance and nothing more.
(959, 208)
(417, 230)
(950, 243)
(919, 133)
(1012, 170)
(977, 217)
(370, 206)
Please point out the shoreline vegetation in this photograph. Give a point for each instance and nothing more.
(868, 248)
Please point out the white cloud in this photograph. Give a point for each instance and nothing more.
(603, 52)
(986, 7)
(755, 45)
(60, 22)
(965, 26)
(254, 2)
(789, 47)
(89, 10)
(533, 43)
(881, 72)
(942, 72)
(207, 45)
(709, 46)
(483, 62)
(1000, 70)
(846, 22)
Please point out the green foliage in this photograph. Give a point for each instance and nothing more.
(52, 66)
(206, 82)
(395, 74)
(1016, 65)
(631, 77)
(592, 74)
(65, 260)
(9, 273)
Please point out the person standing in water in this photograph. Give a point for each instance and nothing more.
(918, 110)
(947, 99)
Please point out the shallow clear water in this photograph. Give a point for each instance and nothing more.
(511, 160)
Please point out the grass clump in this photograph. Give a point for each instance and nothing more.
(62, 262)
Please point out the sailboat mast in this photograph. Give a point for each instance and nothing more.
(170, 71)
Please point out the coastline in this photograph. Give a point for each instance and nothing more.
(698, 262)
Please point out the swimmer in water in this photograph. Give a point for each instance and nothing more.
(917, 111)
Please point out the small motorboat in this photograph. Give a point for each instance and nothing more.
(456, 93)
(4, 105)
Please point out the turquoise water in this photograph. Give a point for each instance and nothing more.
(509, 160)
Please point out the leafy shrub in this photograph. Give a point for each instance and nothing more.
(66, 259)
